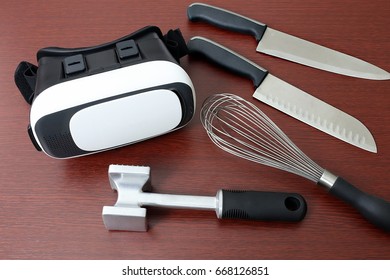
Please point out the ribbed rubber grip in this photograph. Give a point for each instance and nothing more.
(266, 206)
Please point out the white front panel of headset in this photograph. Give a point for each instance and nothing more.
(105, 85)
(126, 120)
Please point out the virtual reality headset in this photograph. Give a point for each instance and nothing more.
(88, 100)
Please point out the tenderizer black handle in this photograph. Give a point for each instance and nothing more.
(227, 59)
(226, 19)
(265, 206)
(373, 208)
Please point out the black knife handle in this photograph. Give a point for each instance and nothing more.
(264, 206)
(227, 59)
(226, 19)
(374, 209)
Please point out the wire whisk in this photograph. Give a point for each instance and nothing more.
(234, 125)
(240, 128)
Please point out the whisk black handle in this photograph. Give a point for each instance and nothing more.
(265, 206)
(373, 208)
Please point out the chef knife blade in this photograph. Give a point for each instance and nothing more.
(286, 46)
(287, 98)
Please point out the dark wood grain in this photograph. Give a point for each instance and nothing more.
(51, 209)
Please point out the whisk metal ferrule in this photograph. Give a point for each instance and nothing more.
(327, 180)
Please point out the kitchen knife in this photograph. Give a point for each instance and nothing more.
(287, 98)
(286, 46)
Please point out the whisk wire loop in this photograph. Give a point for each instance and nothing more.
(242, 129)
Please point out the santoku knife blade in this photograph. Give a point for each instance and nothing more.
(286, 46)
(287, 98)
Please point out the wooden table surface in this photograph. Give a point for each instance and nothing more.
(51, 209)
